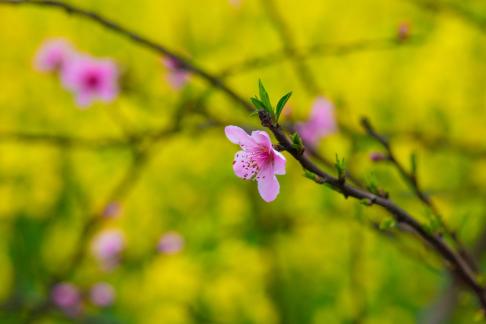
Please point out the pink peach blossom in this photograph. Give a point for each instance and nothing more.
(91, 79)
(257, 160)
(235, 3)
(320, 123)
(107, 248)
(170, 243)
(102, 294)
(377, 156)
(403, 32)
(65, 296)
(177, 76)
(54, 55)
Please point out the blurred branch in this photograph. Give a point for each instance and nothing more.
(458, 10)
(316, 50)
(65, 141)
(412, 179)
(134, 37)
(142, 149)
(458, 265)
(446, 303)
(444, 143)
(303, 72)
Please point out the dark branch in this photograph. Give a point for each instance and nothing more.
(459, 266)
(411, 179)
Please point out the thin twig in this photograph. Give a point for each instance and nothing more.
(459, 266)
(448, 6)
(412, 180)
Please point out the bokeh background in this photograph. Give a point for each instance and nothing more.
(308, 257)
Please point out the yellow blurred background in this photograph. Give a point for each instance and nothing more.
(308, 257)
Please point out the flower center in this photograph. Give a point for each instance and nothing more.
(253, 162)
(92, 81)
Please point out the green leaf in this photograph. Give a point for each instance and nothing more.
(265, 99)
(340, 167)
(365, 202)
(310, 175)
(258, 104)
(296, 141)
(388, 223)
(281, 104)
(372, 184)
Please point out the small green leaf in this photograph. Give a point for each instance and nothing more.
(365, 202)
(258, 104)
(314, 177)
(297, 141)
(372, 184)
(265, 99)
(310, 175)
(340, 167)
(281, 104)
(388, 223)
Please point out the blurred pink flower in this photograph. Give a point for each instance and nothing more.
(91, 79)
(170, 243)
(257, 160)
(377, 156)
(177, 75)
(320, 123)
(102, 294)
(65, 295)
(107, 248)
(235, 3)
(403, 32)
(54, 55)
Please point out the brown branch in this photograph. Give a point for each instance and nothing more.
(65, 141)
(458, 10)
(138, 39)
(412, 180)
(316, 50)
(459, 267)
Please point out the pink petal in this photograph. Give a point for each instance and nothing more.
(238, 136)
(83, 100)
(177, 79)
(262, 138)
(53, 55)
(244, 167)
(279, 163)
(321, 122)
(109, 93)
(268, 185)
(323, 116)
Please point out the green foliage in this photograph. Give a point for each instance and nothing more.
(281, 105)
(387, 223)
(265, 99)
(340, 167)
(263, 103)
(297, 142)
(372, 184)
